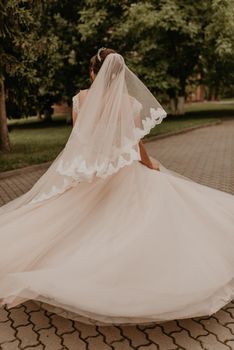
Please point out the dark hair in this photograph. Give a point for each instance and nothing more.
(95, 64)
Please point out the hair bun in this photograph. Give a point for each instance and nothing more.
(98, 59)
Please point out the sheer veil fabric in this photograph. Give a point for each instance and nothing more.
(102, 238)
(117, 112)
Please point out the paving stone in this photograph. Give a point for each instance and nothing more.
(230, 343)
(19, 316)
(161, 339)
(224, 317)
(230, 309)
(86, 330)
(111, 334)
(62, 325)
(231, 327)
(40, 320)
(223, 333)
(194, 328)
(206, 157)
(7, 332)
(15, 345)
(136, 337)
(149, 347)
(30, 305)
(95, 343)
(50, 339)
(210, 342)
(27, 336)
(184, 340)
(3, 315)
(144, 326)
(37, 347)
(73, 342)
(169, 327)
(121, 345)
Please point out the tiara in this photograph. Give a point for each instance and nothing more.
(98, 53)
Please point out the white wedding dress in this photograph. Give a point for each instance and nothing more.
(137, 246)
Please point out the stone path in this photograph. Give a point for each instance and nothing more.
(205, 155)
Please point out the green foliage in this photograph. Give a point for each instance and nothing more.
(164, 39)
(45, 46)
(218, 50)
(14, 21)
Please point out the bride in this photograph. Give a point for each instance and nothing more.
(109, 235)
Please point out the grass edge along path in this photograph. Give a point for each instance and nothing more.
(151, 137)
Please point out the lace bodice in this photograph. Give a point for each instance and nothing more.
(76, 103)
(137, 106)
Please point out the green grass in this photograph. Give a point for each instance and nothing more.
(34, 142)
(210, 109)
(34, 146)
(197, 114)
(174, 124)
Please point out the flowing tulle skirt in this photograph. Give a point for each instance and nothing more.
(138, 246)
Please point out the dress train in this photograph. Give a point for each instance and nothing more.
(136, 247)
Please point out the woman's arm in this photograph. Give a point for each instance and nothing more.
(74, 117)
(145, 160)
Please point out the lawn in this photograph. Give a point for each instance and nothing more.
(211, 109)
(197, 114)
(33, 142)
(34, 146)
(175, 124)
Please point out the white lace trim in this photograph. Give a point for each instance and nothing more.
(156, 117)
(78, 167)
(78, 170)
(76, 103)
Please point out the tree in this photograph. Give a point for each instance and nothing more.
(49, 64)
(55, 71)
(161, 40)
(166, 42)
(218, 49)
(15, 19)
(46, 46)
(164, 38)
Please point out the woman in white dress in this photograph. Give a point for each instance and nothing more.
(108, 235)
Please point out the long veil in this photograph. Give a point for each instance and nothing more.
(118, 111)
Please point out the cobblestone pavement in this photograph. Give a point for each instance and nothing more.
(206, 156)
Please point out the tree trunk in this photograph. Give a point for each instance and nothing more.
(181, 96)
(216, 92)
(4, 137)
(39, 116)
(48, 110)
(177, 105)
(211, 93)
(173, 105)
(48, 115)
(180, 105)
